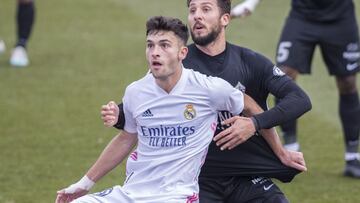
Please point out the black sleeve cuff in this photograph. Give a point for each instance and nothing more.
(256, 123)
(121, 120)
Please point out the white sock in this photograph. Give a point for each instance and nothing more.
(351, 156)
(2, 46)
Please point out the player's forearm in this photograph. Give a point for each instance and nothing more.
(270, 135)
(294, 103)
(114, 153)
(273, 139)
(251, 108)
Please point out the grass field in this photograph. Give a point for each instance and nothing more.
(83, 53)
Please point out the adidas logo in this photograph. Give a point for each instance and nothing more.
(147, 113)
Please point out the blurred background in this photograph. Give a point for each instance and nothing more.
(83, 53)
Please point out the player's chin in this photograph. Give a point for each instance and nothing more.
(155, 69)
(199, 33)
(158, 75)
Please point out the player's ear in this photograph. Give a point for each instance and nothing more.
(183, 52)
(225, 19)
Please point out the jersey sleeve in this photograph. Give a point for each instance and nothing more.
(121, 118)
(224, 96)
(293, 100)
(130, 124)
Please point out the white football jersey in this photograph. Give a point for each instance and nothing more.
(174, 130)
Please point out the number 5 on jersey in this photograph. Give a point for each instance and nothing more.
(283, 51)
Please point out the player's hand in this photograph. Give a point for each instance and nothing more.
(241, 129)
(74, 191)
(294, 159)
(64, 196)
(110, 114)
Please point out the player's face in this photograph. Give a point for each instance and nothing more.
(205, 21)
(164, 53)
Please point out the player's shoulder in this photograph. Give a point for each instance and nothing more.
(208, 83)
(250, 57)
(196, 77)
(239, 49)
(139, 84)
(246, 52)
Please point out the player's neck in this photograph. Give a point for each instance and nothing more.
(216, 47)
(167, 84)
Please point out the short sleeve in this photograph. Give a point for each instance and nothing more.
(225, 97)
(273, 77)
(130, 122)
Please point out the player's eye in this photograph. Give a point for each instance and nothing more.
(165, 45)
(149, 45)
(206, 9)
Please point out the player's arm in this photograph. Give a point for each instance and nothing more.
(241, 129)
(288, 158)
(114, 153)
(294, 102)
(244, 9)
(240, 126)
(113, 115)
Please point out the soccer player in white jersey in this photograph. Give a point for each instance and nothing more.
(171, 115)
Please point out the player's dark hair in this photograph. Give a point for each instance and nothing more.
(224, 5)
(161, 23)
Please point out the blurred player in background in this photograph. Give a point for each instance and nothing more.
(332, 25)
(2, 46)
(24, 23)
(244, 9)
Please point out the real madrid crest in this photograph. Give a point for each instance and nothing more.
(189, 112)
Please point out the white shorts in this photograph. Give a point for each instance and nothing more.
(117, 195)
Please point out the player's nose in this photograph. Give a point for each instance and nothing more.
(155, 52)
(197, 15)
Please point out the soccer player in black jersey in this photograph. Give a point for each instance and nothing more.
(24, 18)
(332, 25)
(243, 173)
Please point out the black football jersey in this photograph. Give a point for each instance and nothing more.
(322, 10)
(257, 76)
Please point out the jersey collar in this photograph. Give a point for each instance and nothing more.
(180, 85)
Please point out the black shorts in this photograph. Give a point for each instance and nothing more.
(239, 190)
(338, 42)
